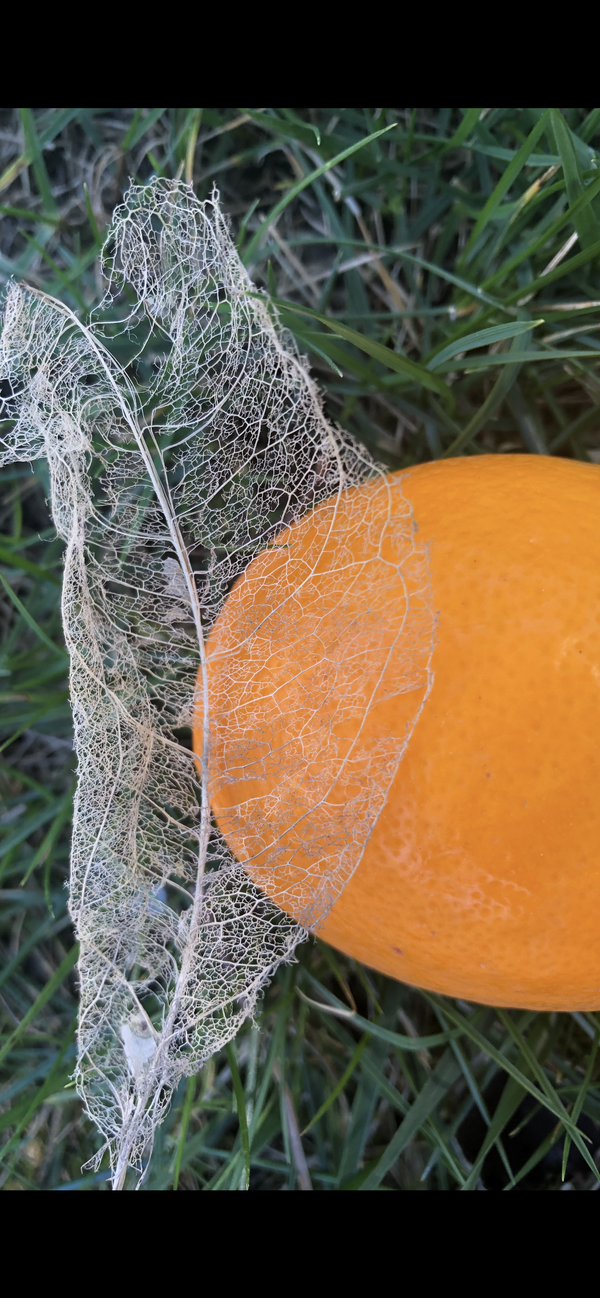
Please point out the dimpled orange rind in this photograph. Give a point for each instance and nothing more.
(481, 878)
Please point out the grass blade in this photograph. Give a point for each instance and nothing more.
(139, 127)
(504, 184)
(31, 622)
(188, 1102)
(549, 1100)
(59, 119)
(584, 220)
(341, 1085)
(255, 241)
(565, 268)
(13, 560)
(34, 151)
(577, 1107)
(54, 982)
(396, 1039)
(528, 250)
(438, 1083)
(63, 815)
(463, 131)
(47, 1088)
(392, 360)
(492, 403)
(241, 1108)
(483, 337)
(510, 1100)
(49, 926)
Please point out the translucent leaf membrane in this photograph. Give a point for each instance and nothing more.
(326, 627)
(185, 440)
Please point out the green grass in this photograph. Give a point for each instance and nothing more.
(444, 280)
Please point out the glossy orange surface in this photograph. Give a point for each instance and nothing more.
(482, 876)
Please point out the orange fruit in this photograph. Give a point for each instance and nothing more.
(481, 876)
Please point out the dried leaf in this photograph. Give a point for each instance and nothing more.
(184, 436)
